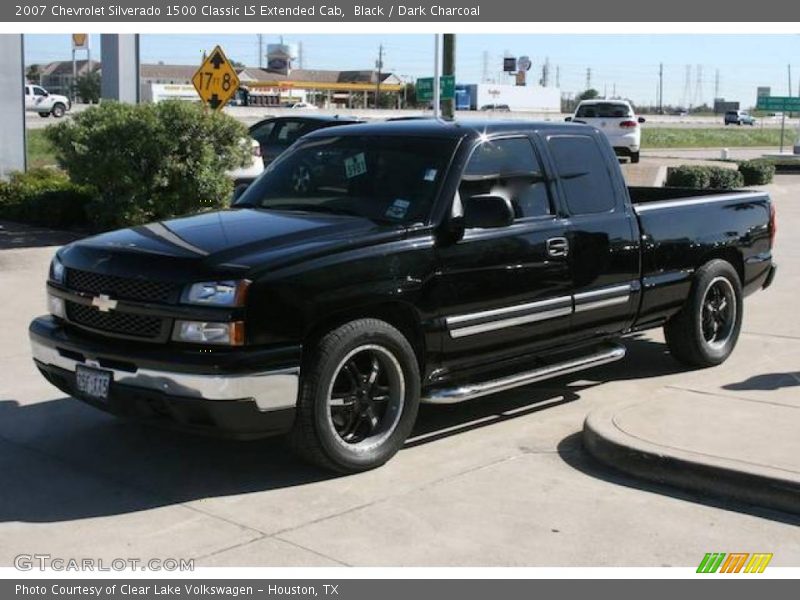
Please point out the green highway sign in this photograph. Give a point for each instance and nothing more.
(447, 88)
(778, 103)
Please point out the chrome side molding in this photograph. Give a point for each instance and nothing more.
(608, 353)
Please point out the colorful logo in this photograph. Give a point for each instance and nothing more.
(735, 562)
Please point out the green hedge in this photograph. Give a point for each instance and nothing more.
(45, 197)
(704, 177)
(150, 161)
(757, 172)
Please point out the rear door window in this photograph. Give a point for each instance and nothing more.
(604, 110)
(583, 172)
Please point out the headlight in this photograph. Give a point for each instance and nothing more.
(201, 332)
(56, 270)
(217, 293)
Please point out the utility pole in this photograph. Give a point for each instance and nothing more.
(379, 68)
(260, 51)
(589, 78)
(449, 68)
(485, 73)
(789, 70)
(436, 79)
(558, 76)
(716, 84)
(300, 55)
(661, 88)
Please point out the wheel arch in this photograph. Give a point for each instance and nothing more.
(400, 315)
(733, 256)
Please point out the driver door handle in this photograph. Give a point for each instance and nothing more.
(557, 247)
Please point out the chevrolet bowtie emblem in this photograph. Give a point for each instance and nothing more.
(104, 303)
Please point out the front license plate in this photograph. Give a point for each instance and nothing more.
(92, 382)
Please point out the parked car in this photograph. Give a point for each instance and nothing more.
(496, 107)
(616, 119)
(427, 262)
(276, 134)
(244, 176)
(303, 106)
(739, 117)
(39, 100)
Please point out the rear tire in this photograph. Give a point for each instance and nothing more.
(634, 157)
(359, 396)
(44, 115)
(705, 331)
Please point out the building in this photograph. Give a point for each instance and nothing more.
(58, 77)
(327, 88)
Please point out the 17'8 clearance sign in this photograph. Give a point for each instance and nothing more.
(216, 81)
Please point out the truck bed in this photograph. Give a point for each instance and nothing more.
(682, 229)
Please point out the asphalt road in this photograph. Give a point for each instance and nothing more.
(251, 115)
(498, 481)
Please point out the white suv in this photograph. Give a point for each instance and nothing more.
(616, 119)
(38, 99)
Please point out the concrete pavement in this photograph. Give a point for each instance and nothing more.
(502, 480)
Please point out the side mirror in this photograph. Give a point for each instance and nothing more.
(641, 119)
(568, 119)
(487, 212)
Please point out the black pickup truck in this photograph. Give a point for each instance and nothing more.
(376, 266)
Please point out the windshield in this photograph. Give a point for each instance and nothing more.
(383, 178)
(604, 110)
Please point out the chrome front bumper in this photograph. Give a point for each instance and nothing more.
(271, 390)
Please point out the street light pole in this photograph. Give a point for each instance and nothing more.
(449, 68)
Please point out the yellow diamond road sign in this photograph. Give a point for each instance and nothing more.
(216, 80)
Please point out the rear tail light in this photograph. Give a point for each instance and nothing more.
(629, 124)
(773, 225)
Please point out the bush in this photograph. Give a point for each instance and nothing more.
(150, 161)
(45, 197)
(757, 172)
(702, 177)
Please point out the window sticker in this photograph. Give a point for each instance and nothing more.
(430, 174)
(398, 209)
(355, 165)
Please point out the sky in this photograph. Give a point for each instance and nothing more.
(628, 64)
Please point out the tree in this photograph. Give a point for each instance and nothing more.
(237, 65)
(34, 73)
(88, 87)
(588, 94)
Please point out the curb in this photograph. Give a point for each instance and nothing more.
(614, 447)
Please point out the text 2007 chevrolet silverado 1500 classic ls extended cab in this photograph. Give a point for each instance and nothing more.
(376, 266)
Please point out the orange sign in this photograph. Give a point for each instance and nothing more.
(80, 41)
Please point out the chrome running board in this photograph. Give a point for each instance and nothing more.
(608, 353)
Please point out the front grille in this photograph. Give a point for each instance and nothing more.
(116, 322)
(122, 287)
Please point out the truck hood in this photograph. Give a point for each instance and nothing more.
(234, 241)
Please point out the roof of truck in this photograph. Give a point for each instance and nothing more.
(445, 129)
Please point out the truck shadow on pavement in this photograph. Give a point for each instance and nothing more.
(62, 460)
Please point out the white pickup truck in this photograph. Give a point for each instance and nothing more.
(38, 99)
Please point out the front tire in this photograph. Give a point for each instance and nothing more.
(359, 396)
(705, 331)
(59, 110)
